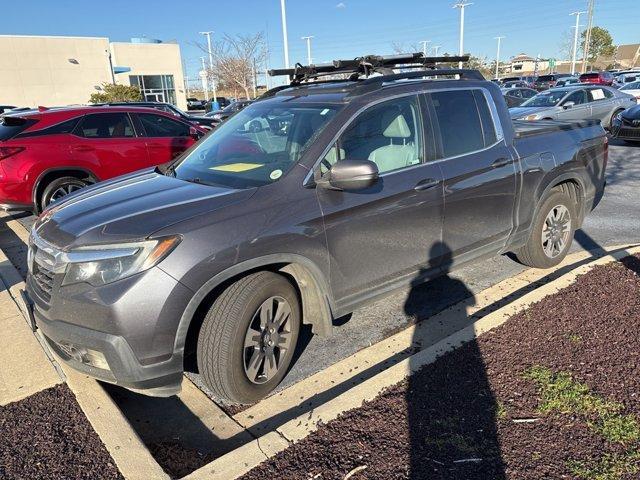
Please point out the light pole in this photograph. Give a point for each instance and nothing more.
(435, 50)
(461, 6)
(424, 46)
(283, 10)
(213, 80)
(574, 52)
(205, 83)
(308, 39)
(498, 56)
(587, 40)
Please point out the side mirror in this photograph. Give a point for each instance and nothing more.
(194, 133)
(568, 104)
(351, 175)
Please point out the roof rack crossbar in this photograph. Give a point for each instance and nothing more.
(466, 74)
(364, 66)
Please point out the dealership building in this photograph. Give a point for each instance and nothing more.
(56, 71)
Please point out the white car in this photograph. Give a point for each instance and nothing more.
(632, 88)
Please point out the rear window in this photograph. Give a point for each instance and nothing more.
(589, 75)
(12, 126)
(546, 78)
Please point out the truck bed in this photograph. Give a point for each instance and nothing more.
(524, 128)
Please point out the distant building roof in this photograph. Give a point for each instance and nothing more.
(523, 57)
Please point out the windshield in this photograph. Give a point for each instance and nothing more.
(631, 86)
(256, 146)
(546, 78)
(545, 99)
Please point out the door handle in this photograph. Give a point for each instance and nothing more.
(84, 148)
(502, 162)
(426, 184)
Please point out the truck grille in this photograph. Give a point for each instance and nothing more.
(43, 279)
(629, 132)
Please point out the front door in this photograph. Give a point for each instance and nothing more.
(478, 170)
(580, 110)
(390, 232)
(165, 137)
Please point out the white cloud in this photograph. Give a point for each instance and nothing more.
(341, 5)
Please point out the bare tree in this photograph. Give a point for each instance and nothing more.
(235, 60)
(401, 47)
(565, 47)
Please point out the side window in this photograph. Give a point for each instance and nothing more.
(161, 126)
(106, 125)
(464, 120)
(389, 134)
(596, 94)
(608, 94)
(528, 93)
(576, 97)
(515, 93)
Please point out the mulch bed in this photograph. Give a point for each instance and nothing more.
(46, 436)
(474, 413)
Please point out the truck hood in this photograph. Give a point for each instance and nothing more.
(130, 208)
(520, 112)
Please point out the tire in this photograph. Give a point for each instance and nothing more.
(53, 191)
(534, 253)
(234, 371)
(610, 127)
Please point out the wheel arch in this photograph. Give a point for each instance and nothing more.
(309, 281)
(50, 174)
(571, 184)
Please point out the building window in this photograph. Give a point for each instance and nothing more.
(155, 88)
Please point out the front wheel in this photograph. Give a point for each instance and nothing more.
(552, 232)
(248, 337)
(59, 188)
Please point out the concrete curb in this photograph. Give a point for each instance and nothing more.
(242, 460)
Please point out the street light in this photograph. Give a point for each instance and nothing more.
(308, 39)
(213, 80)
(498, 56)
(424, 46)
(435, 50)
(575, 42)
(461, 6)
(283, 11)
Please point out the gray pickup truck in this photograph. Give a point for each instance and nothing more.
(311, 202)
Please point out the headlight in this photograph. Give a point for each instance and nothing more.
(102, 264)
(533, 116)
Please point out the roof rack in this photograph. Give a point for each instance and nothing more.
(369, 64)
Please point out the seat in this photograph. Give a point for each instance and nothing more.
(399, 153)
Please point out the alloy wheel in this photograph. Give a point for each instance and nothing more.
(556, 231)
(267, 340)
(63, 191)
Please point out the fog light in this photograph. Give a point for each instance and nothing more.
(84, 355)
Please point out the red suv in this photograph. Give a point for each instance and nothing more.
(46, 154)
(601, 78)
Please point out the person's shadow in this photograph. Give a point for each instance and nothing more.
(451, 410)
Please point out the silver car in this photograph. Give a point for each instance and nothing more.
(589, 102)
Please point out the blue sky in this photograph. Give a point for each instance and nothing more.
(342, 28)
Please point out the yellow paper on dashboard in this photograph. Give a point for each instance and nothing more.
(237, 167)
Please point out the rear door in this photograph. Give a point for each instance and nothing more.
(165, 137)
(107, 142)
(478, 170)
(601, 105)
(390, 232)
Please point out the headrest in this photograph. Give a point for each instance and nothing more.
(396, 125)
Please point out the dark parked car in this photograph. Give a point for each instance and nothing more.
(6, 108)
(527, 79)
(626, 125)
(600, 78)
(516, 96)
(346, 191)
(545, 82)
(202, 121)
(195, 104)
(221, 115)
(46, 154)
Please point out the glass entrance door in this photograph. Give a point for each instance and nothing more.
(154, 96)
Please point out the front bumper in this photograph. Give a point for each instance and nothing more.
(131, 324)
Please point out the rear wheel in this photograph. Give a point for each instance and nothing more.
(612, 117)
(552, 232)
(248, 337)
(59, 188)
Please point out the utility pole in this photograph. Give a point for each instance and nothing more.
(461, 6)
(587, 40)
(424, 46)
(574, 53)
(308, 39)
(498, 56)
(213, 80)
(435, 50)
(285, 38)
(205, 83)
